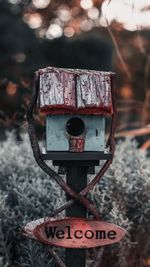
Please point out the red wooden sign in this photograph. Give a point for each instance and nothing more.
(74, 232)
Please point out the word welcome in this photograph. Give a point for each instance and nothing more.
(55, 232)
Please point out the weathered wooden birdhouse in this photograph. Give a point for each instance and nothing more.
(76, 103)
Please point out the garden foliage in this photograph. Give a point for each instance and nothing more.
(26, 193)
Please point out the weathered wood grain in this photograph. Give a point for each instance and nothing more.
(76, 91)
(57, 89)
(94, 91)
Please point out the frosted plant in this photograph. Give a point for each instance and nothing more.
(26, 193)
(123, 197)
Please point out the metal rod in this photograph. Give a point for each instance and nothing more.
(76, 177)
(40, 161)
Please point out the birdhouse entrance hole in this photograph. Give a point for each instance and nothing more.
(75, 126)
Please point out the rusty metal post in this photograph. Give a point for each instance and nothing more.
(76, 178)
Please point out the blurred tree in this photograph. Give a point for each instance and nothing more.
(86, 51)
(62, 33)
(23, 51)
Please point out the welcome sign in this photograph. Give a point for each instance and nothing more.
(75, 232)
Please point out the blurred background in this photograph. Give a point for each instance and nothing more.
(108, 35)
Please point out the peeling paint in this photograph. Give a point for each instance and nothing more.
(66, 91)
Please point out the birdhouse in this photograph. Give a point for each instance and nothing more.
(76, 103)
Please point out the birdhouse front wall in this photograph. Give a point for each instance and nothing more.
(57, 137)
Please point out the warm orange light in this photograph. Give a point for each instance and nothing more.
(69, 31)
(34, 20)
(147, 262)
(11, 88)
(126, 92)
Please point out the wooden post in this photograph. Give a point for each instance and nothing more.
(76, 177)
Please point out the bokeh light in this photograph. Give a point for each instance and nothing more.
(126, 91)
(93, 13)
(69, 31)
(86, 4)
(86, 25)
(20, 57)
(54, 31)
(11, 88)
(64, 14)
(33, 20)
(41, 3)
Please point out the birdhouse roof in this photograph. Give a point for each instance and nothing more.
(74, 91)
